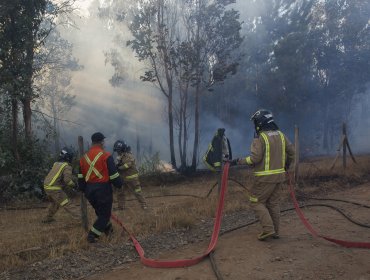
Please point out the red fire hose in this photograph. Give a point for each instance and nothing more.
(216, 229)
(185, 262)
(344, 243)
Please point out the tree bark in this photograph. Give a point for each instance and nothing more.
(15, 128)
(170, 124)
(27, 117)
(196, 129)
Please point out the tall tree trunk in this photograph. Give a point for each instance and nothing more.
(196, 129)
(29, 48)
(169, 80)
(27, 116)
(15, 128)
(180, 115)
(170, 124)
(185, 139)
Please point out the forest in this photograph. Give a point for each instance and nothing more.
(201, 63)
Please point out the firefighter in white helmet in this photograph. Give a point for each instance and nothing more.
(271, 155)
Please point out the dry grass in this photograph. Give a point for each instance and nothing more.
(25, 240)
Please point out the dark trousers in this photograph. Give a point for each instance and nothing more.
(100, 197)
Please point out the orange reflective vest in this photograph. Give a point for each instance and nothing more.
(94, 167)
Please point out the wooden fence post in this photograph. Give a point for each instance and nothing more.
(84, 216)
(345, 144)
(296, 149)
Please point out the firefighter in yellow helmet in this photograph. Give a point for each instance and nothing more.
(59, 186)
(271, 155)
(130, 176)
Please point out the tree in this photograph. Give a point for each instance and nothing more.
(24, 26)
(53, 79)
(214, 36)
(184, 48)
(153, 29)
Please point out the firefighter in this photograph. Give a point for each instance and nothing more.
(271, 155)
(219, 150)
(127, 169)
(59, 186)
(97, 174)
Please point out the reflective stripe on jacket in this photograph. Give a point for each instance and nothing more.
(93, 166)
(270, 153)
(60, 175)
(126, 166)
(214, 155)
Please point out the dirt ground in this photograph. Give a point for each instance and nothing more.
(180, 226)
(296, 255)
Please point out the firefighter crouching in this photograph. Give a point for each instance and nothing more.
(59, 186)
(271, 155)
(127, 169)
(97, 174)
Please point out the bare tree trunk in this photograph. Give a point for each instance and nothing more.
(15, 128)
(169, 80)
(27, 117)
(27, 90)
(180, 135)
(170, 124)
(185, 139)
(196, 129)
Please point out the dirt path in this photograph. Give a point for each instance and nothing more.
(295, 256)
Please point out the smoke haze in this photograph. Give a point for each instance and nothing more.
(137, 109)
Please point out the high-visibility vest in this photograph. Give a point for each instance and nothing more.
(57, 171)
(267, 168)
(94, 167)
(213, 156)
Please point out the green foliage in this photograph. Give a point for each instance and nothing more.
(24, 179)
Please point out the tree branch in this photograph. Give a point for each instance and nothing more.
(43, 114)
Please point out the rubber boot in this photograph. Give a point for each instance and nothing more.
(108, 230)
(92, 237)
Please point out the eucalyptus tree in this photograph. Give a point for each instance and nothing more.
(186, 47)
(214, 36)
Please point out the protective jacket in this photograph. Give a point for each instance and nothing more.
(97, 173)
(271, 154)
(97, 167)
(59, 176)
(127, 167)
(218, 150)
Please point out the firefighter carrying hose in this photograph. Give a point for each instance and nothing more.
(127, 169)
(59, 186)
(97, 174)
(271, 155)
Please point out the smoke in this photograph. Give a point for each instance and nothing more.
(136, 110)
(119, 113)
